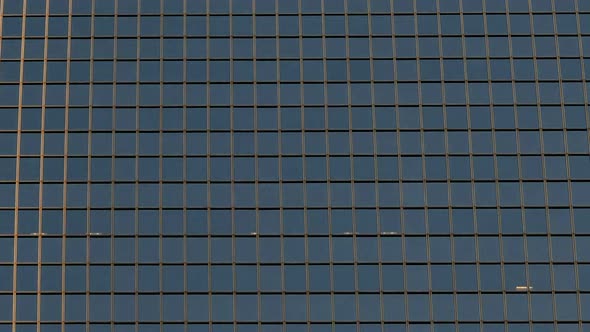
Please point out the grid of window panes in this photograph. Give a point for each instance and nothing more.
(294, 165)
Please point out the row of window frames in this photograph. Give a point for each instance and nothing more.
(200, 7)
(262, 7)
(267, 143)
(311, 310)
(106, 15)
(244, 95)
(267, 127)
(351, 293)
(316, 180)
(319, 221)
(292, 168)
(290, 47)
(337, 94)
(267, 73)
(405, 45)
(335, 234)
(511, 268)
(555, 221)
(538, 221)
(253, 235)
(288, 7)
(298, 250)
(108, 129)
(293, 251)
(101, 194)
(220, 96)
(292, 326)
(294, 218)
(40, 11)
(341, 167)
(364, 180)
(253, 293)
(533, 195)
(177, 7)
(438, 229)
(312, 48)
(291, 172)
(315, 326)
(220, 225)
(310, 94)
(267, 70)
(267, 119)
(172, 84)
(482, 163)
(170, 223)
(219, 195)
(414, 326)
(289, 25)
(339, 54)
(298, 240)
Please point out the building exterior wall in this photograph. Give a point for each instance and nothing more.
(294, 165)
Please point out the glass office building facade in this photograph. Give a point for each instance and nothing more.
(294, 165)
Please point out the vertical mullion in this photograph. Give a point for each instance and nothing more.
(496, 172)
(572, 215)
(280, 136)
(567, 164)
(113, 165)
(41, 167)
(280, 152)
(137, 159)
(351, 161)
(65, 164)
(375, 167)
(17, 175)
(256, 155)
(305, 207)
(161, 160)
(1, 21)
(543, 165)
(327, 158)
(281, 211)
(472, 181)
(496, 184)
(208, 133)
(305, 210)
(89, 165)
(161, 164)
(400, 167)
(283, 274)
(184, 166)
(565, 143)
(515, 110)
(231, 160)
(519, 152)
(447, 181)
(467, 103)
(422, 156)
(583, 65)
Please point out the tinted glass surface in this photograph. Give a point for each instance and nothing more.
(294, 165)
